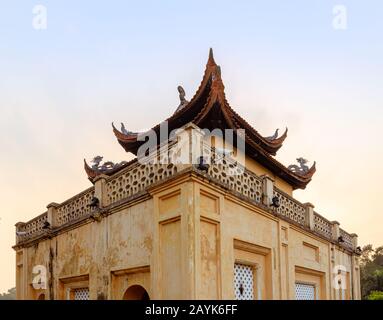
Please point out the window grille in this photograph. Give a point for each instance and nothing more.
(81, 294)
(243, 282)
(304, 291)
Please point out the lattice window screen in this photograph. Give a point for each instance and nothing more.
(243, 281)
(304, 291)
(81, 294)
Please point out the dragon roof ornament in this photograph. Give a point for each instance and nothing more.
(302, 169)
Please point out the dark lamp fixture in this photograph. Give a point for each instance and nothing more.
(202, 165)
(275, 202)
(95, 203)
(46, 225)
(340, 239)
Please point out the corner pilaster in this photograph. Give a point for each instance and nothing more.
(335, 230)
(309, 221)
(267, 190)
(100, 190)
(52, 214)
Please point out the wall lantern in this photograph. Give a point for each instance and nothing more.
(202, 165)
(275, 202)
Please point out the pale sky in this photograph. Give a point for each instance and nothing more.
(283, 64)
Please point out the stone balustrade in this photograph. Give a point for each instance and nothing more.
(322, 225)
(74, 208)
(136, 178)
(290, 208)
(347, 239)
(246, 184)
(33, 228)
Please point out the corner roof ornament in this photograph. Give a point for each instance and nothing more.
(274, 136)
(183, 101)
(302, 169)
(127, 132)
(98, 168)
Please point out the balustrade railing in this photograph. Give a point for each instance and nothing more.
(322, 225)
(32, 228)
(138, 177)
(74, 208)
(290, 208)
(347, 238)
(247, 183)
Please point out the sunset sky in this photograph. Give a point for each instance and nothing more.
(283, 64)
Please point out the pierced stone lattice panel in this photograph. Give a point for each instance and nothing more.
(75, 208)
(246, 183)
(290, 208)
(304, 291)
(32, 228)
(322, 225)
(137, 179)
(243, 282)
(81, 294)
(347, 238)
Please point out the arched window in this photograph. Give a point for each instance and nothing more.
(136, 292)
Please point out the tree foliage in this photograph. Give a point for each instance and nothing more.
(375, 295)
(371, 272)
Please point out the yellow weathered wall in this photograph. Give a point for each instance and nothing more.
(182, 243)
(123, 240)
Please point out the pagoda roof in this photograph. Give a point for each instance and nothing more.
(207, 109)
(210, 109)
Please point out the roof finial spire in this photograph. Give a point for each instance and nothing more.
(211, 58)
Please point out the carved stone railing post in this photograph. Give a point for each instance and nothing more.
(197, 140)
(52, 214)
(19, 227)
(189, 146)
(100, 191)
(335, 233)
(309, 218)
(267, 190)
(354, 237)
